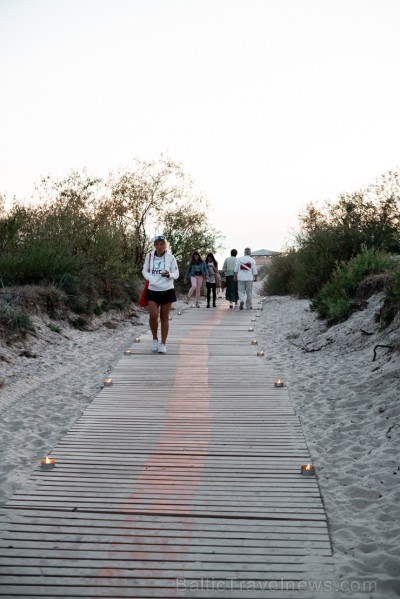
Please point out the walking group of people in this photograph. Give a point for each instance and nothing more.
(198, 270)
(160, 270)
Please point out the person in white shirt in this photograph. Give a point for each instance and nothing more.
(245, 273)
(161, 270)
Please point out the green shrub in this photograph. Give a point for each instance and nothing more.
(340, 309)
(36, 263)
(336, 300)
(338, 231)
(391, 303)
(80, 323)
(14, 319)
(281, 272)
(54, 327)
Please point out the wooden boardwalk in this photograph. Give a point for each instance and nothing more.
(180, 480)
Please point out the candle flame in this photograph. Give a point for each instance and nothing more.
(308, 467)
(47, 460)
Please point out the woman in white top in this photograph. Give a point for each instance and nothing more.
(160, 269)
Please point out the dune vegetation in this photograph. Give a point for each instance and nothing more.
(78, 248)
(345, 251)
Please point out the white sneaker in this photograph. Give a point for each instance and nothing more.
(162, 348)
(154, 345)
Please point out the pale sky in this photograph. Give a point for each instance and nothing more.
(269, 104)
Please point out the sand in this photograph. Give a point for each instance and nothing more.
(348, 404)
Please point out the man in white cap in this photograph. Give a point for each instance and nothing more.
(245, 273)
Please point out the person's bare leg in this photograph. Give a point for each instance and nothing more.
(153, 319)
(164, 317)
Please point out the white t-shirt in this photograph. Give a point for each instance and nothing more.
(245, 268)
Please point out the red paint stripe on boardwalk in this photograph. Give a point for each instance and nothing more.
(181, 423)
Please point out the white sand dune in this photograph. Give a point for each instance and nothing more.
(349, 407)
(347, 403)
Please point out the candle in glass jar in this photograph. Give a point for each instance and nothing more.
(48, 463)
(307, 470)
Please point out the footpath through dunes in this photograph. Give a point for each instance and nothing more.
(182, 479)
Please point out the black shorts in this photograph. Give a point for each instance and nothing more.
(161, 297)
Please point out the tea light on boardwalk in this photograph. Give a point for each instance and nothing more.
(128, 352)
(108, 382)
(307, 470)
(258, 315)
(179, 312)
(254, 342)
(251, 329)
(136, 340)
(48, 463)
(253, 320)
(278, 383)
(260, 353)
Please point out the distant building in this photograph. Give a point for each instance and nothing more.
(263, 257)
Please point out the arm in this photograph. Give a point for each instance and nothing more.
(174, 272)
(255, 272)
(145, 270)
(235, 269)
(187, 273)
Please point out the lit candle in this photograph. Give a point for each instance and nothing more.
(48, 463)
(254, 342)
(128, 352)
(307, 470)
(260, 353)
(253, 320)
(136, 340)
(169, 317)
(108, 382)
(278, 383)
(179, 312)
(250, 329)
(258, 315)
